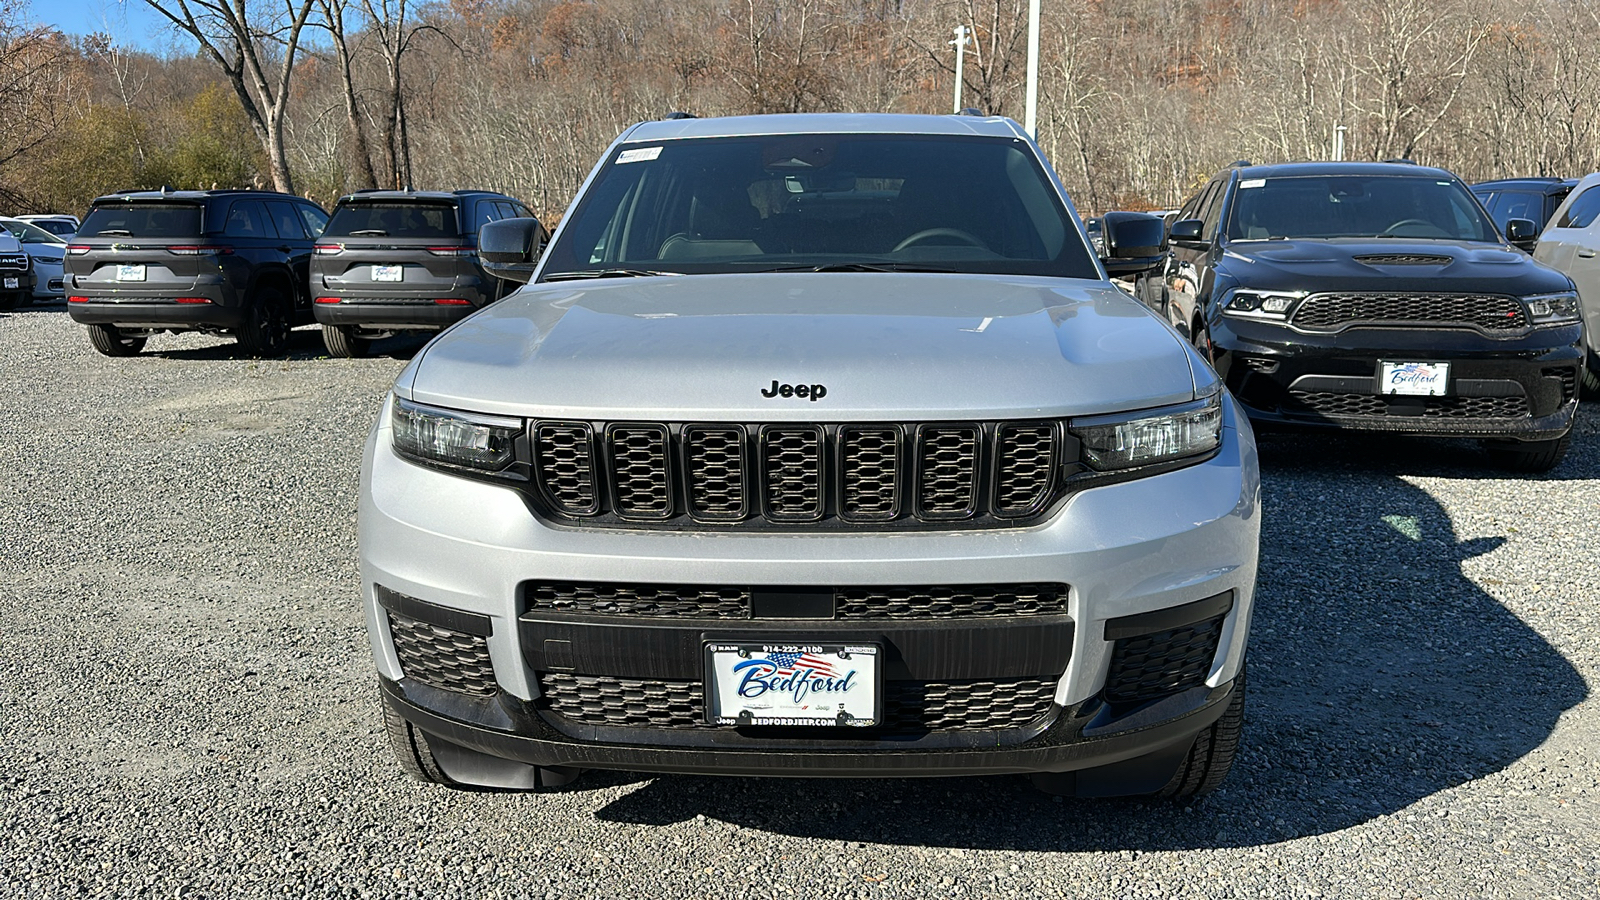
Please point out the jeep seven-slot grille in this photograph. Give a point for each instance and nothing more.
(908, 706)
(1330, 312)
(689, 601)
(728, 474)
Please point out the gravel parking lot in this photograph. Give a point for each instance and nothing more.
(187, 707)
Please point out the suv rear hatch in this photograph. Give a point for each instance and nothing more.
(394, 251)
(143, 250)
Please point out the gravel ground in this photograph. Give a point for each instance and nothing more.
(187, 708)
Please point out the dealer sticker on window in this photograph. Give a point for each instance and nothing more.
(1414, 378)
(638, 154)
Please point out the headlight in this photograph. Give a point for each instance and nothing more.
(467, 440)
(1151, 436)
(1554, 309)
(1275, 305)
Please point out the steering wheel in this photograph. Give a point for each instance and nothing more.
(1404, 222)
(926, 233)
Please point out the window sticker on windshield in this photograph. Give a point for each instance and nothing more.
(1252, 182)
(638, 155)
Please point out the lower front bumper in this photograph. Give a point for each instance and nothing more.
(1080, 737)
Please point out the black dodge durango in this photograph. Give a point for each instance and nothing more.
(1378, 297)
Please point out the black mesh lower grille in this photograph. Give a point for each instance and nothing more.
(1327, 403)
(689, 601)
(909, 706)
(1152, 666)
(450, 660)
(1568, 375)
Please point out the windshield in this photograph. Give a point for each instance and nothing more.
(29, 233)
(158, 220)
(795, 202)
(1335, 206)
(411, 220)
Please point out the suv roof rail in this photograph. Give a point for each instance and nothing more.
(1240, 164)
(678, 114)
(1402, 161)
(971, 111)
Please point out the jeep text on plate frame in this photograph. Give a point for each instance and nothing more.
(1417, 379)
(388, 273)
(793, 684)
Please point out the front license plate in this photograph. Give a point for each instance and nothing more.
(388, 273)
(130, 273)
(12, 282)
(1413, 378)
(752, 683)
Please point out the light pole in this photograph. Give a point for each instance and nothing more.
(963, 34)
(1031, 119)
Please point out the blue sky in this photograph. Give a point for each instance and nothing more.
(130, 22)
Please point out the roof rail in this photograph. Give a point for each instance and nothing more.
(971, 111)
(1240, 164)
(1402, 160)
(678, 114)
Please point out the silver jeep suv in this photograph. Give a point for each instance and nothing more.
(816, 445)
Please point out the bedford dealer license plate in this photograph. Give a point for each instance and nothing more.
(130, 273)
(12, 282)
(388, 273)
(751, 683)
(1414, 378)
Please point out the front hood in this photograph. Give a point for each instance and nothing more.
(883, 346)
(1434, 265)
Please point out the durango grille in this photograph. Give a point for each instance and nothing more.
(908, 706)
(720, 474)
(684, 601)
(1332, 312)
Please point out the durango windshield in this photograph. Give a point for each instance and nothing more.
(831, 201)
(1364, 206)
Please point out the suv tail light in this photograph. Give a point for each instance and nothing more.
(457, 251)
(200, 250)
(328, 249)
(78, 249)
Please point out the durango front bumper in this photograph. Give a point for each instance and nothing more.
(1522, 387)
(1140, 597)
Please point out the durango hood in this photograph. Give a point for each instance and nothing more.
(808, 347)
(1389, 265)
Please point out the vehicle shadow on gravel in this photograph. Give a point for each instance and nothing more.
(304, 344)
(1379, 675)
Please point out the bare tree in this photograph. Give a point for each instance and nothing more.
(396, 38)
(244, 41)
(358, 156)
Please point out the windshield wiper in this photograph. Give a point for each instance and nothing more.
(862, 267)
(374, 232)
(606, 273)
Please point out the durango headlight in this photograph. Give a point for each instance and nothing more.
(1275, 305)
(1554, 309)
(1150, 436)
(453, 438)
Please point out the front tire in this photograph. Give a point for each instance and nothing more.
(267, 322)
(112, 342)
(343, 341)
(411, 749)
(1211, 757)
(1529, 456)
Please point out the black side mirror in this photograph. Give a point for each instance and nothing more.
(510, 248)
(1522, 234)
(1132, 242)
(1186, 233)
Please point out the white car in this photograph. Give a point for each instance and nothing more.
(47, 251)
(61, 225)
(1571, 244)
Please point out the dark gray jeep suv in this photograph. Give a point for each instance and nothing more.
(221, 262)
(403, 260)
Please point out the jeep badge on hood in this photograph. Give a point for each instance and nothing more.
(814, 391)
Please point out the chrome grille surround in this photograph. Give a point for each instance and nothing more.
(1489, 313)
